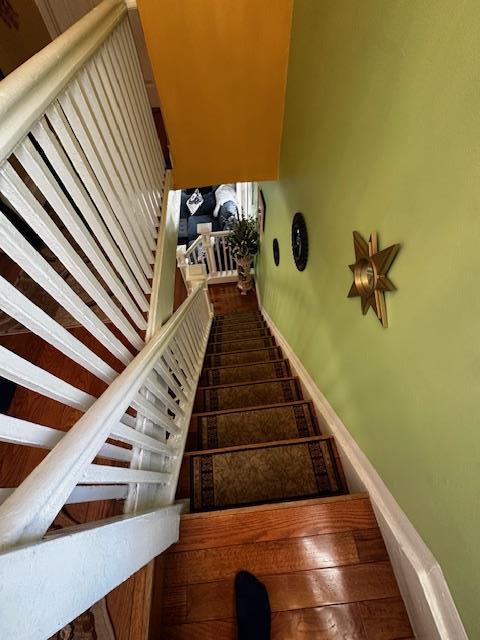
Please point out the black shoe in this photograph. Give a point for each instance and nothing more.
(253, 608)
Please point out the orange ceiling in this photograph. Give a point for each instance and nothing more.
(220, 68)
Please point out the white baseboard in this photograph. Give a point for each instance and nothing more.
(428, 600)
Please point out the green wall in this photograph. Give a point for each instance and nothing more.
(382, 132)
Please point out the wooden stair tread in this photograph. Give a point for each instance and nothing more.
(273, 557)
(275, 521)
(313, 588)
(329, 622)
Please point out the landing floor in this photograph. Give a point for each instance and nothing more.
(323, 562)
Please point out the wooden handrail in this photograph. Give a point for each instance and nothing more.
(26, 93)
(28, 512)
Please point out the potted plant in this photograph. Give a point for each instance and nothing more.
(243, 243)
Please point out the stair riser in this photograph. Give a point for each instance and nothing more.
(240, 345)
(239, 335)
(245, 357)
(237, 317)
(245, 373)
(233, 326)
(247, 395)
(250, 326)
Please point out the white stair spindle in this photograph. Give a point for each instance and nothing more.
(61, 165)
(82, 164)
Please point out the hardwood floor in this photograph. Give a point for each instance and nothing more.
(226, 298)
(323, 562)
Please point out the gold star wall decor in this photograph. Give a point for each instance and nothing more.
(370, 280)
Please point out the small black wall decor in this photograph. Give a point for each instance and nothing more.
(299, 241)
(262, 209)
(276, 252)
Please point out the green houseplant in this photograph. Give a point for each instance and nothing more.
(243, 243)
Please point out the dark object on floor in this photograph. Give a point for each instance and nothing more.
(252, 607)
(7, 389)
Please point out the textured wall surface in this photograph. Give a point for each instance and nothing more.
(220, 69)
(382, 132)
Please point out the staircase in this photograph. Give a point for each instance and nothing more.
(268, 495)
(258, 438)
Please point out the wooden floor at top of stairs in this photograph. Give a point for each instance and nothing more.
(227, 300)
(323, 562)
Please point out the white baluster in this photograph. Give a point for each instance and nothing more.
(124, 260)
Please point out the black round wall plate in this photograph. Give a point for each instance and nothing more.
(299, 241)
(276, 252)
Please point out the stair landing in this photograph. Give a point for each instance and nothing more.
(323, 562)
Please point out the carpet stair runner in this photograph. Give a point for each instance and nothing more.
(257, 445)
(258, 438)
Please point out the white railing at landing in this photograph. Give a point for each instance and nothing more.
(81, 164)
(212, 251)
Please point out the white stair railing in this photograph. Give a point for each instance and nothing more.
(212, 251)
(80, 163)
(82, 168)
(75, 568)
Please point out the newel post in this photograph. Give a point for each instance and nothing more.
(205, 230)
(182, 261)
(197, 274)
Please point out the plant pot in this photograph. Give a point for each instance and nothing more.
(245, 280)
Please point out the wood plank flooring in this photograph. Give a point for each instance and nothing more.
(323, 562)
(226, 298)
